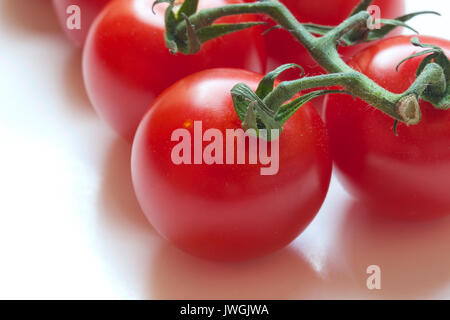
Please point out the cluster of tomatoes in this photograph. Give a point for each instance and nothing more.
(231, 212)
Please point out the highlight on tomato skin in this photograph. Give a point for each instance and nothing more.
(405, 176)
(88, 11)
(126, 63)
(227, 211)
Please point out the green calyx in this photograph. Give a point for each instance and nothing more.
(190, 38)
(258, 112)
(366, 30)
(435, 69)
(362, 33)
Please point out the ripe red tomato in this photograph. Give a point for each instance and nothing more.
(89, 9)
(126, 64)
(283, 48)
(227, 211)
(401, 176)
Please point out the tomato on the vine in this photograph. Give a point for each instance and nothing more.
(88, 11)
(226, 211)
(126, 63)
(400, 176)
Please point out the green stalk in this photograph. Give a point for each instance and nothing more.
(401, 107)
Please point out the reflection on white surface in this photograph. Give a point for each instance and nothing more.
(70, 226)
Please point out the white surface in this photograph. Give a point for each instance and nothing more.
(70, 226)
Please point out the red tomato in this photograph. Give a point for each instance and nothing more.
(402, 176)
(127, 65)
(89, 9)
(227, 211)
(283, 48)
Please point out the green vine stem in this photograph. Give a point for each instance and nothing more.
(402, 107)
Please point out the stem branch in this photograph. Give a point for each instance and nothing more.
(402, 107)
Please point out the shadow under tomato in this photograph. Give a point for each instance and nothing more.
(117, 199)
(73, 84)
(31, 16)
(125, 237)
(414, 257)
(282, 275)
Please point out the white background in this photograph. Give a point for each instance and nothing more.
(70, 226)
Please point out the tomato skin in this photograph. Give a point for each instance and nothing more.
(282, 48)
(89, 11)
(406, 176)
(227, 212)
(127, 65)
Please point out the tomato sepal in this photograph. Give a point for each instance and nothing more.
(268, 82)
(222, 29)
(364, 34)
(253, 112)
(287, 110)
(186, 37)
(438, 92)
(257, 113)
